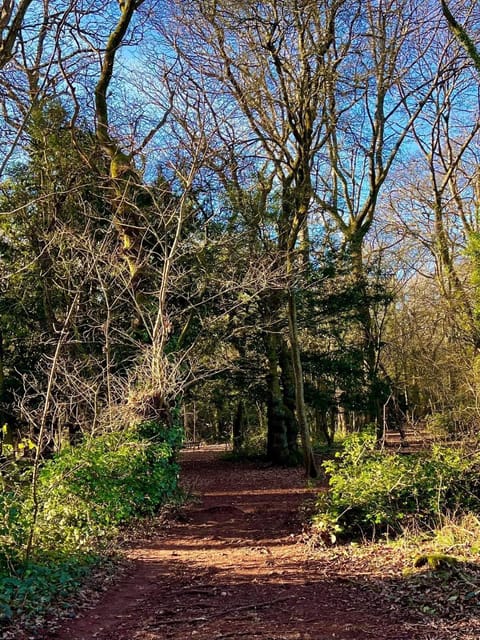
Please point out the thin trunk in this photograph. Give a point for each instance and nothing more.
(462, 36)
(2, 367)
(239, 427)
(221, 421)
(43, 427)
(10, 28)
(449, 281)
(123, 179)
(308, 456)
(2, 391)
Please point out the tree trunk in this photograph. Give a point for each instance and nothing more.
(2, 391)
(124, 180)
(322, 426)
(277, 443)
(288, 388)
(239, 425)
(308, 457)
(373, 410)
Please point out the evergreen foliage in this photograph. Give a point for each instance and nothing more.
(372, 492)
(273, 232)
(86, 493)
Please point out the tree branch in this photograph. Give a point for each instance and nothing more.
(462, 36)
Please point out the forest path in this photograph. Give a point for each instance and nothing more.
(236, 569)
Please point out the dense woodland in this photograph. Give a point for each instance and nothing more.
(254, 222)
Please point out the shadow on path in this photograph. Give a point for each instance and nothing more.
(236, 569)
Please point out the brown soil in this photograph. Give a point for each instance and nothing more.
(237, 567)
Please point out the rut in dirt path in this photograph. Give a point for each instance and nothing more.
(235, 569)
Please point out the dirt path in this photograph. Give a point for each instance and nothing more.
(235, 569)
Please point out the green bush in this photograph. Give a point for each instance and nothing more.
(373, 492)
(13, 527)
(85, 492)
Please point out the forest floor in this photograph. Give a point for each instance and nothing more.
(236, 564)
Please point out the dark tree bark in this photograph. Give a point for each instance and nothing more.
(239, 427)
(288, 389)
(277, 443)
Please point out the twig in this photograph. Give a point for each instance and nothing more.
(223, 612)
(237, 634)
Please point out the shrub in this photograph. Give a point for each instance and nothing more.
(13, 528)
(374, 492)
(85, 492)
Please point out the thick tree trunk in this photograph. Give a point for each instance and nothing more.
(277, 443)
(322, 426)
(288, 388)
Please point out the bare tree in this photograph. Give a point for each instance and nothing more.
(380, 87)
(270, 62)
(441, 194)
(11, 19)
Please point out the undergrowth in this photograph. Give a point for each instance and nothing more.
(374, 493)
(86, 493)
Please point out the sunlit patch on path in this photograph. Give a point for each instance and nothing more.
(236, 568)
